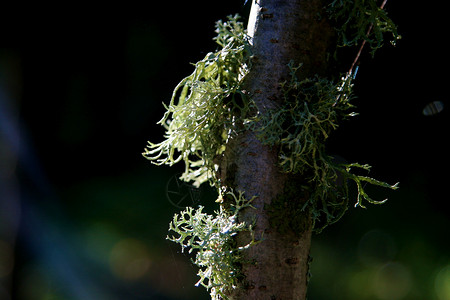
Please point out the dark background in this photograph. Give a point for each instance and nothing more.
(84, 216)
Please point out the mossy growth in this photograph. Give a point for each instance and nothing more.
(289, 216)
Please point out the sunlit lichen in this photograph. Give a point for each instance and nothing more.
(205, 107)
(211, 239)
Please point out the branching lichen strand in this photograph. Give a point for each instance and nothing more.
(362, 20)
(311, 111)
(203, 111)
(211, 237)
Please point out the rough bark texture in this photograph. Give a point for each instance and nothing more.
(281, 30)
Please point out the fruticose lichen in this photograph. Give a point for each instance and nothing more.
(362, 20)
(312, 109)
(210, 106)
(217, 255)
(206, 109)
(206, 106)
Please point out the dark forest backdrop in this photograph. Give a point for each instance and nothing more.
(81, 89)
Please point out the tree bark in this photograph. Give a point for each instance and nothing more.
(280, 31)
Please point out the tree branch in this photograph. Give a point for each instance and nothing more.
(281, 31)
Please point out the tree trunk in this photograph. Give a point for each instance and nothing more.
(280, 31)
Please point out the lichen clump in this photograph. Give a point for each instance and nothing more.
(205, 107)
(211, 237)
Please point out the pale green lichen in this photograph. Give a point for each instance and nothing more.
(211, 237)
(205, 107)
(312, 109)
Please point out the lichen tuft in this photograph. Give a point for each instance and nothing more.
(211, 237)
(312, 109)
(206, 106)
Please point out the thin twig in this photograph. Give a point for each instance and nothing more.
(363, 43)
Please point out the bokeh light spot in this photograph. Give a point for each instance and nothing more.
(376, 247)
(359, 283)
(36, 283)
(442, 283)
(98, 239)
(130, 259)
(393, 281)
(6, 259)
